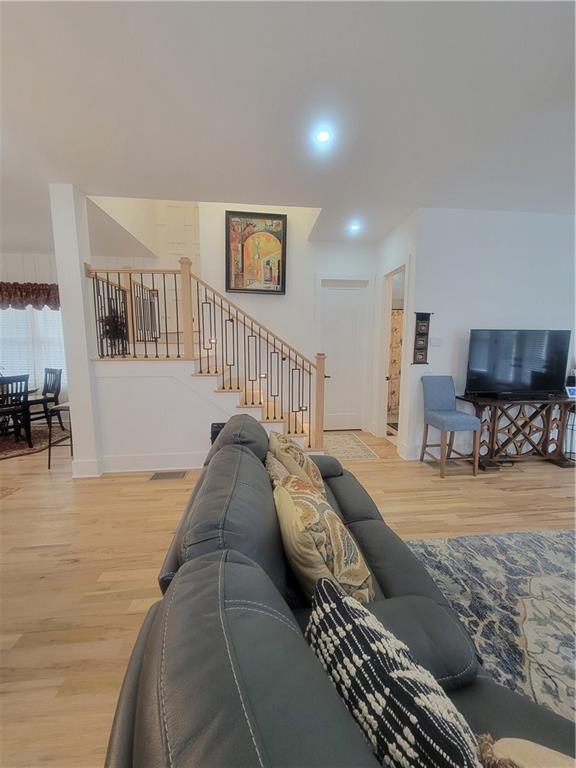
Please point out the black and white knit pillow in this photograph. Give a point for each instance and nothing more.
(404, 713)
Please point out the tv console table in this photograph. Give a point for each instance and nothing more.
(518, 430)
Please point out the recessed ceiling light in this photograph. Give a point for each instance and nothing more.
(323, 138)
(354, 227)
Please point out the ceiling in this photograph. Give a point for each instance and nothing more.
(464, 105)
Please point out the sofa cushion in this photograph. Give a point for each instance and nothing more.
(393, 564)
(295, 460)
(316, 541)
(354, 502)
(404, 713)
(241, 430)
(494, 709)
(228, 679)
(433, 635)
(329, 466)
(235, 509)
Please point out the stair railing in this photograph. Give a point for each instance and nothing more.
(174, 314)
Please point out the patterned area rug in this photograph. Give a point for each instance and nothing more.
(9, 448)
(515, 594)
(346, 446)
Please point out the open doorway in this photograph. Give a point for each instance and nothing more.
(395, 291)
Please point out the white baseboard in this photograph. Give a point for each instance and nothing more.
(153, 462)
(408, 452)
(86, 468)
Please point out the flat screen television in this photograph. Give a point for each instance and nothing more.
(517, 363)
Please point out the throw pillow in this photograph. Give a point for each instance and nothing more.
(404, 713)
(317, 543)
(295, 460)
(518, 753)
(275, 468)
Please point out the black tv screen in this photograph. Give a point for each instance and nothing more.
(517, 362)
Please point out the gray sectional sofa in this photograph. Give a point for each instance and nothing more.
(221, 676)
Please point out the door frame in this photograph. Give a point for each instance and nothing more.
(386, 337)
(368, 285)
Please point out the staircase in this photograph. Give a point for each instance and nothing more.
(175, 315)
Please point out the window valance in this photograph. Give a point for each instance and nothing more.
(21, 295)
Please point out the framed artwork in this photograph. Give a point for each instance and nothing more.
(255, 252)
(421, 335)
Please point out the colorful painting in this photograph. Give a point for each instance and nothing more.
(255, 252)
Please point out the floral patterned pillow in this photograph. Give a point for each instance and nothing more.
(317, 543)
(295, 460)
(275, 468)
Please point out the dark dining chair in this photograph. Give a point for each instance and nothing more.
(50, 395)
(14, 404)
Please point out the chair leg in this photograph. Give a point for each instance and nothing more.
(17, 427)
(59, 416)
(443, 436)
(450, 445)
(71, 441)
(45, 409)
(424, 442)
(49, 439)
(476, 452)
(27, 428)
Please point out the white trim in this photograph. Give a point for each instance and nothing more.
(153, 462)
(86, 468)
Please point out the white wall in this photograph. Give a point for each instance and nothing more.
(165, 229)
(295, 316)
(481, 269)
(28, 268)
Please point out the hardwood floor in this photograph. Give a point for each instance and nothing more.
(80, 560)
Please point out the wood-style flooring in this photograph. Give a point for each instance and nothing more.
(80, 560)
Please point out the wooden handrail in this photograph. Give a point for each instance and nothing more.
(90, 271)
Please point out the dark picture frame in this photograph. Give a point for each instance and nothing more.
(256, 252)
(421, 338)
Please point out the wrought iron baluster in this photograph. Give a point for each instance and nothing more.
(245, 382)
(199, 331)
(289, 385)
(260, 379)
(282, 360)
(143, 319)
(152, 324)
(237, 356)
(223, 342)
(309, 409)
(177, 321)
(165, 312)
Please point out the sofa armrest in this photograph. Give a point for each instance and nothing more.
(328, 465)
(435, 637)
(121, 743)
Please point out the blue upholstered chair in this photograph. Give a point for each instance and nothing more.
(440, 412)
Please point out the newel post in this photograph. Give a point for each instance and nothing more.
(187, 315)
(319, 401)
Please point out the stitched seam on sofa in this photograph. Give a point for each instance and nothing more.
(224, 512)
(221, 614)
(162, 669)
(262, 605)
(264, 613)
(473, 654)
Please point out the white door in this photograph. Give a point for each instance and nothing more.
(342, 314)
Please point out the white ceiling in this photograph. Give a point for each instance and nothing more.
(466, 105)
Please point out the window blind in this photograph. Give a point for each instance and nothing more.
(31, 340)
